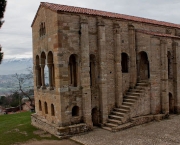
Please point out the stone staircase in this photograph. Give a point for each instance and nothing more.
(118, 118)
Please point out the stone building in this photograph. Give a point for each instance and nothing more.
(104, 69)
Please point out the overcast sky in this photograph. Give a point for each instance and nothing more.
(16, 35)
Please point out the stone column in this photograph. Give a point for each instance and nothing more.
(176, 76)
(50, 76)
(85, 75)
(42, 76)
(132, 57)
(117, 65)
(102, 71)
(164, 77)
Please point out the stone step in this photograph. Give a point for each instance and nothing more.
(123, 126)
(142, 84)
(114, 121)
(111, 125)
(125, 107)
(107, 128)
(128, 103)
(131, 97)
(136, 90)
(121, 110)
(116, 117)
(133, 93)
(129, 100)
(140, 87)
(118, 113)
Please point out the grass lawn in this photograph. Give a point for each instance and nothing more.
(15, 128)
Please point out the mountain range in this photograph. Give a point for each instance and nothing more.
(15, 65)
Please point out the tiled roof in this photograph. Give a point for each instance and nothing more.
(157, 34)
(72, 9)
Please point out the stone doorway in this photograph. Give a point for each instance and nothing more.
(95, 117)
(171, 104)
(143, 63)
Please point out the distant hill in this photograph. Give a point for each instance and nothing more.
(15, 65)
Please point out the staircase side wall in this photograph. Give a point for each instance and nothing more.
(142, 105)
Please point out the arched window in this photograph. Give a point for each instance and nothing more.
(42, 29)
(50, 64)
(40, 106)
(73, 70)
(52, 110)
(75, 111)
(45, 108)
(38, 73)
(43, 60)
(92, 70)
(124, 62)
(169, 65)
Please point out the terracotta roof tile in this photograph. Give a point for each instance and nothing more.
(65, 8)
(157, 34)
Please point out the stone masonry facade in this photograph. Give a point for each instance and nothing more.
(104, 69)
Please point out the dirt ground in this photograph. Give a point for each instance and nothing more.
(51, 142)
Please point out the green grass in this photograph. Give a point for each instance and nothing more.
(17, 128)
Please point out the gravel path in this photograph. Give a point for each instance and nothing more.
(165, 132)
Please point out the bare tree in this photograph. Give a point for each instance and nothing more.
(22, 79)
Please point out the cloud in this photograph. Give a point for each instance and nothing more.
(16, 33)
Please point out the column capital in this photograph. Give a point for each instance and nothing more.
(49, 64)
(42, 65)
(83, 20)
(37, 67)
(100, 21)
(163, 41)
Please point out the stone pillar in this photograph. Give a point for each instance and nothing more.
(176, 76)
(132, 57)
(164, 77)
(42, 76)
(50, 76)
(85, 75)
(38, 75)
(117, 65)
(102, 71)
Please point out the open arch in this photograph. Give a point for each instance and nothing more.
(42, 64)
(50, 64)
(124, 62)
(45, 107)
(144, 71)
(52, 110)
(95, 116)
(92, 70)
(40, 106)
(171, 103)
(73, 70)
(75, 111)
(38, 72)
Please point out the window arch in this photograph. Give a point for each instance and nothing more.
(75, 111)
(38, 72)
(45, 108)
(92, 70)
(43, 60)
(52, 110)
(124, 62)
(42, 29)
(50, 64)
(169, 65)
(40, 106)
(73, 74)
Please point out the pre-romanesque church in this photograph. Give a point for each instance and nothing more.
(104, 69)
